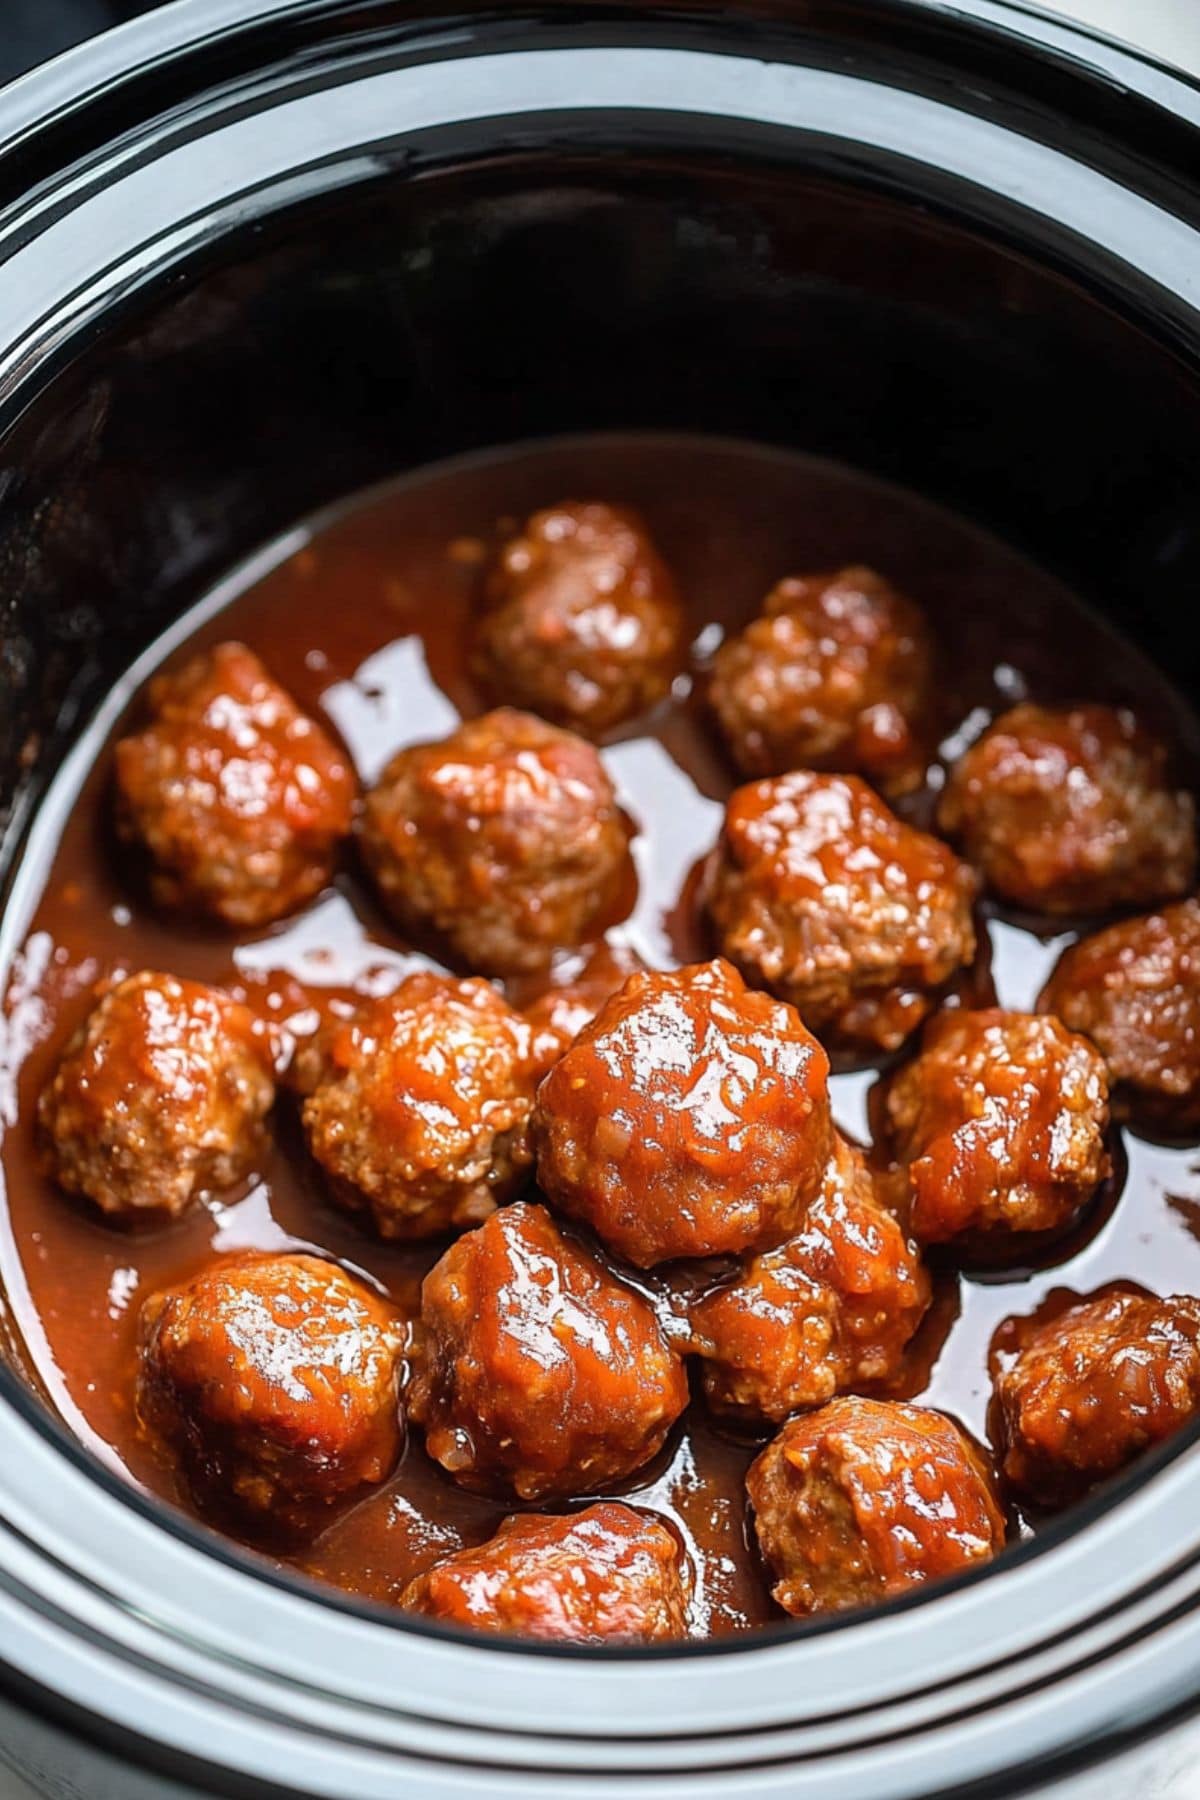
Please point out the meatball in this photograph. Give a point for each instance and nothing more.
(607, 1575)
(582, 622)
(539, 1373)
(274, 1382)
(1069, 810)
(690, 1118)
(1092, 1388)
(869, 1498)
(505, 839)
(1135, 991)
(240, 799)
(579, 990)
(421, 1115)
(829, 1310)
(999, 1126)
(820, 894)
(834, 674)
(159, 1097)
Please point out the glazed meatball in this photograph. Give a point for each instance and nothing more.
(1135, 991)
(1092, 1388)
(868, 1498)
(999, 1126)
(505, 840)
(579, 990)
(831, 1309)
(240, 799)
(690, 1118)
(159, 1097)
(834, 674)
(607, 1575)
(818, 893)
(1069, 810)
(274, 1382)
(421, 1115)
(582, 622)
(539, 1373)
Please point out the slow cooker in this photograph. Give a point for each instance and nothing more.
(255, 256)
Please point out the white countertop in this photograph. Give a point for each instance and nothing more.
(1169, 1769)
(1170, 29)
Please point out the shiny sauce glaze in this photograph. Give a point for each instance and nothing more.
(364, 617)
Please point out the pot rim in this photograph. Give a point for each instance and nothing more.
(88, 1562)
(58, 87)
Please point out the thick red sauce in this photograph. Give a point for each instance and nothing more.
(365, 621)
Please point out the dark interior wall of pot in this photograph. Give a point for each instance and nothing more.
(506, 299)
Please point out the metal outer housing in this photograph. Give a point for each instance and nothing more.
(139, 1655)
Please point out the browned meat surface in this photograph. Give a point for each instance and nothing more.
(818, 893)
(273, 1381)
(582, 622)
(1070, 810)
(420, 1118)
(690, 1118)
(504, 840)
(240, 799)
(833, 674)
(539, 1373)
(603, 1576)
(867, 1498)
(998, 1124)
(160, 1097)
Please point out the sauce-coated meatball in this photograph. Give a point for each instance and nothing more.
(607, 1575)
(998, 1124)
(866, 1499)
(690, 1118)
(1069, 810)
(505, 839)
(560, 1011)
(834, 674)
(539, 1373)
(274, 1380)
(240, 799)
(1135, 991)
(421, 1114)
(1092, 1388)
(582, 622)
(159, 1097)
(832, 1308)
(820, 894)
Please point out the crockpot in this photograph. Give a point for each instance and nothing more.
(254, 256)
